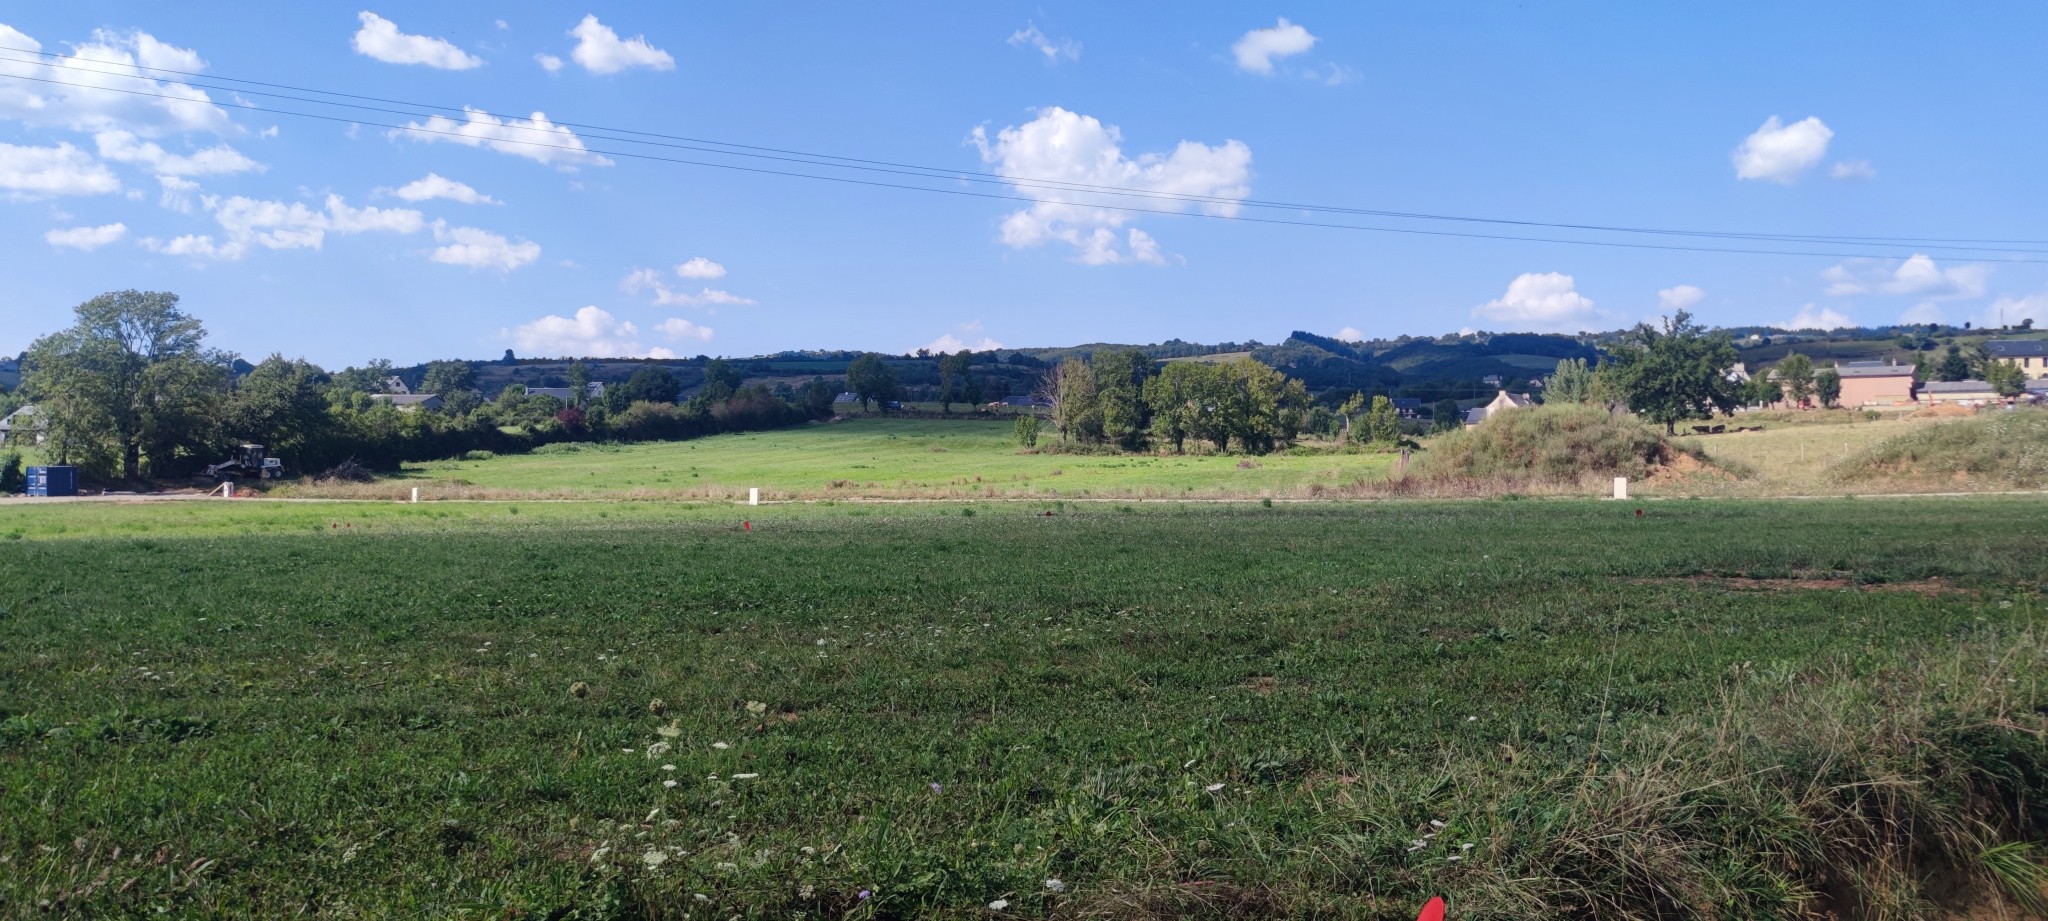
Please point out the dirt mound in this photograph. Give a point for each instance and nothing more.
(1941, 411)
(1562, 444)
(2000, 450)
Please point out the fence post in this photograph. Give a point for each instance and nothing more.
(415, 495)
(1621, 487)
(753, 495)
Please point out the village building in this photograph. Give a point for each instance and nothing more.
(408, 402)
(592, 393)
(2030, 354)
(396, 384)
(24, 426)
(1502, 402)
(1966, 393)
(1875, 383)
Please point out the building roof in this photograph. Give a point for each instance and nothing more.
(1955, 387)
(1872, 369)
(1407, 402)
(846, 396)
(2017, 348)
(1475, 415)
(25, 416)
(1517, 399)
(2037, 385)
(595, 390)
(405, 399)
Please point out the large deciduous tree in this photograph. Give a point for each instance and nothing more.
(1675, 373)
(282, 404)
(1796, 373)
(131, 381)
(871, 380)
(1572, 382)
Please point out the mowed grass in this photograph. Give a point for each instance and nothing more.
(888, 457)
(1333, 711)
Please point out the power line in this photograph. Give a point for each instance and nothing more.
(582, 149)
(817, 159)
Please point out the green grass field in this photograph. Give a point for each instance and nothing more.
(1536, 708)
(886, 457)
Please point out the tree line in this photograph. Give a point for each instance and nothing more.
(1123, 398)
(132, 390)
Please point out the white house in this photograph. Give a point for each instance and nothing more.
(1502, 402)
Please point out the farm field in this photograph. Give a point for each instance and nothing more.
(1537, 708)
(886, 457)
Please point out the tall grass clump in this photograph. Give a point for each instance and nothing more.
(2000, 448)
(1558, 444)
(1829, 794)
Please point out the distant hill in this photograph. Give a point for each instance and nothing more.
(1451, 367)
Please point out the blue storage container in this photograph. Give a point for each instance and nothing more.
(53, 481)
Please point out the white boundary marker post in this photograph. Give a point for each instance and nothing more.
(1621, 487)
(753, 495)
(415, 495)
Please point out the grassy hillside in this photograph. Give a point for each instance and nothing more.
(1536, 709)
(884, 457)
(1998, 450)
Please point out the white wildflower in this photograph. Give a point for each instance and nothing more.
(653, 859)
(721, 746)
(668, 767)
(1055, 885)
(744, 776)
(999, 905)
(1213, 787)
(756, 707)
(668, 783)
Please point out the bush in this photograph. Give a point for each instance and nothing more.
(1027, 430)
(2000, 448)
(11, 478)
(1556, 443)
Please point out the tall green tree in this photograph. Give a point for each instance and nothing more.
(1119, 393)
(1954, 366)
(579, 383)
(1795, 372)
(951, 369)
(1075, 411)
(1445, 416)
(722, 379)
(871, 379)
(648, 384)
(131, 380)
(282, 404)
(2006, 377)
(1676, 372)
(1181, 399)
(1827, 387)
(1382, 424)
(1572, 382)
(446, 377)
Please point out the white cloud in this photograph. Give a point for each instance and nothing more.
(1924, 312)
(86, 238)
(951, 343)
(503, 25)
(1031, 37)
(60, 170)
(124, 147)
(100, 86)
(434, 185)
(258, 223)
(535, 138)
(2009, 311)
(1824, 318)
(177, 193)
(1257, 49)
(1852, 169)
(600, 51)
(269, 132)
(591, 332)
(649, 280)
(1918, 276)
(549, 62)
(700, 267)
(1351, 334)
(1680, 297)
(379, 38)
(677, 328)
(1078, 149)
(1542, 302)
(1778, 152)
(480, 249)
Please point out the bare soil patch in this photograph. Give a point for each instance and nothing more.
(1924, 587)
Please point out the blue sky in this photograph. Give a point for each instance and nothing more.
(312, 237)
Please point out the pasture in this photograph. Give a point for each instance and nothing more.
(887, 458)
(1550, 708)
